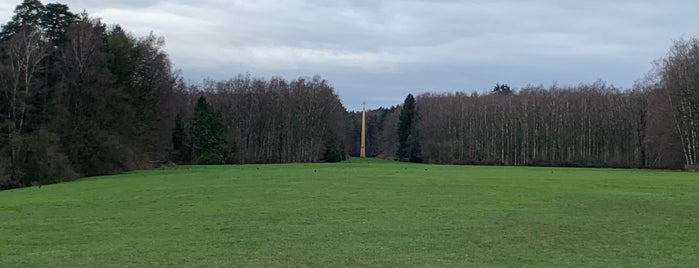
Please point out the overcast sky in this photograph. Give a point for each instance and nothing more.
(379, 51)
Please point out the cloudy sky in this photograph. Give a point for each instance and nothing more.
(379, 51)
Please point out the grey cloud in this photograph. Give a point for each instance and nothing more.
(89, 5)
(388, 48)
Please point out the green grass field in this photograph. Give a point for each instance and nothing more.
(356, 213)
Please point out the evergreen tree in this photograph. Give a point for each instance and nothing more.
(55, 21)
(405, 129)
(208, 134)
(333, 150)
(502, 89)
(29, 13)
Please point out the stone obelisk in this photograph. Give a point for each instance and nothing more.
(362, 148)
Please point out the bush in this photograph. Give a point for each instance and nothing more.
(97, 152)
(210, 158)
(44, 161)
(333, 151)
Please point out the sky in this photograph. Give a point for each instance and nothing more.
(380, 51)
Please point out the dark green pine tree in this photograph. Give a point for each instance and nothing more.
(29, 13)
(208, 134)
(408, 148)
(502, 89)
(56, 19)
(334, 150)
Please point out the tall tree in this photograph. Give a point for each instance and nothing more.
(55, 21)
(680, 76)
(30, 13)
(86, 98)
(24, 52)
(407, 141)
(208, 133)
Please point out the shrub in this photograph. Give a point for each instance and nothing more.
(210, 157)
(44, 161)
(333, 151)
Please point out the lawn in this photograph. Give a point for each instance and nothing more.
(362, 212)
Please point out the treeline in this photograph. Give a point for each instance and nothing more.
(269, 121)
(653, 125)
(589, 125)
(80, 98)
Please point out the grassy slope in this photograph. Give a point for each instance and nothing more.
(357, 213)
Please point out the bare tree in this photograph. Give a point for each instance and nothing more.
(680, 76)
(586, 125)
(25, 51)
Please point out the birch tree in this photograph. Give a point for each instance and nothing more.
(680, 77)
(24, 52)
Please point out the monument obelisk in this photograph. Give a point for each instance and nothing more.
(362, 148)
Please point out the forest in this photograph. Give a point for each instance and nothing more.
(589, 125)
(651, 125)
(82, 98)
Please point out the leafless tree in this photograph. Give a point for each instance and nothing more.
(25, 51)
(680, 77)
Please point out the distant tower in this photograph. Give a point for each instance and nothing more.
(362, 148)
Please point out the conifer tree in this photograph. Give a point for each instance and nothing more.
(407, 151)
(208, 134)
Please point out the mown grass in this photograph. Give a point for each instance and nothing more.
(356, 213)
